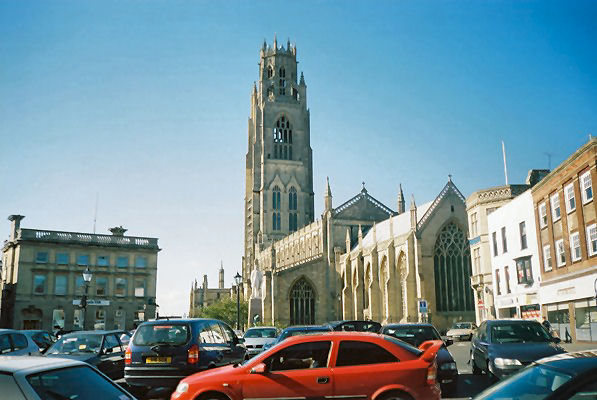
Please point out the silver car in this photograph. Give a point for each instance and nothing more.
(15, 343)
(257, 337)
(35, 378)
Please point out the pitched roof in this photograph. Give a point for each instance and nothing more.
(363, 195)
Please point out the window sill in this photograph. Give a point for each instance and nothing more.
(570, 211)
(556, 219)
(585, 202)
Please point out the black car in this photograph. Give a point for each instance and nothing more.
(298, 330)
(502, 347)
(162, 352)
(355, 326)
(564, 376)
(416, 334)
(102, 349)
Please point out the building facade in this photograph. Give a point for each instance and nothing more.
(42, 282)
(204, 296)
(515, 259)
(566, 228)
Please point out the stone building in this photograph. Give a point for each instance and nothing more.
(565, 216)
(42, 282)
(294, 268)
(203, 296)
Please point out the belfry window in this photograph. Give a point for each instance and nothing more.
(282, 86)
(270, 72)
(282, 72)
(452, 265)
(302, 303)
(276, 218)
(282, 136)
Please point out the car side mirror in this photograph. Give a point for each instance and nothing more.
(258, 369)
(448, 342)
(556, 339)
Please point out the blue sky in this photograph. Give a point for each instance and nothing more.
(146, 103)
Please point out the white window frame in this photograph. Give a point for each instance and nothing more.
(547, 256)
(569, 194)
(560, 251)
(555, 205)
(583, 188)
(543, 215)
(575, 237)
(591, 238)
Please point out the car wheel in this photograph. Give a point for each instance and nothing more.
(395, 396)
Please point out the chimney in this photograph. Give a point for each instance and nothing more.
(15, 225)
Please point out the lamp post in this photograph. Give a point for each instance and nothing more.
(87, 275)
(238, 280)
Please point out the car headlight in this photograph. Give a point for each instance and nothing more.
(448, 366)
(182, 387)
(506, 362)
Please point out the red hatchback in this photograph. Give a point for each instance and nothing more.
(336, 365)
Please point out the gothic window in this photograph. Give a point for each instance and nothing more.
(282, 137)
(292, 204)
(276, 223)
(276, 218)
(283, 86)
(270, 72)
(282, 72)
(302, 303)
(452, 266)
(292, 207)
(276, 198)
(292, 222)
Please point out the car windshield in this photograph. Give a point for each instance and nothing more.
(77, 343)
(81, 383)
(517, 332)
(414, 335)
(461, 325)
(261, 333)
(299, 332)
(533, 382)
(165, 334)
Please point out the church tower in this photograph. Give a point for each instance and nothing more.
(279, 166)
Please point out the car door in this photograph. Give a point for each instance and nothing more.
(480, 347)
(296, 371)
(110, 358)
(20, 345)
(236, 351)
(5, 344)
(357, 359)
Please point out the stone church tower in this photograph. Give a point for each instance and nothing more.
(279, 166)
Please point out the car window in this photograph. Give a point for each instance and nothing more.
(585, 392)
(5, 346)
(300, 356)
(125, 338)
(412, 334)
(173, 334)
(81, 383)
(217, 333)
(352, 352)
(77, 343)
(111, 343)
(261, 333)
(229, 335)
(19, 341)
(516, 332)
(42, 339)
(10, 389)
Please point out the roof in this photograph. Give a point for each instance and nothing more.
(13, 364)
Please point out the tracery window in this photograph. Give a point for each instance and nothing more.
(282, 136)
(292, 207)
(452, 266)
(276, 219)
(270, 72)
(302, 303)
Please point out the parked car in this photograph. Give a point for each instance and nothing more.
(15, 343)
(35, 378)
(462, 331)
(43, 339)
(258, 336)
(355, 326)
(102, 349)
(331, 365)
(416, 334)
(502, 347)
(563, 376)
(162, 352)
(296, 331)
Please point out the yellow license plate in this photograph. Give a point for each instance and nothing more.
(158, 360)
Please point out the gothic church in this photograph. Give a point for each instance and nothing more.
(360, 259)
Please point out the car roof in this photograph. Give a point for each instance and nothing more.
(261, 327)
(98, 332)
(8, 330)
(577, 362)
(410, 324)
(179, 320)
(307, 328)
(12, 364)
(509, 320)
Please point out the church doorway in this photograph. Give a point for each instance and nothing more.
(302, 303)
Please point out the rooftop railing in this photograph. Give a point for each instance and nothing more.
(86, 238)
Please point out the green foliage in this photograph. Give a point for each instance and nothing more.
(225, 310)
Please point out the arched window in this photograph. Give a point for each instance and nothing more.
(282, 72)
(452, 266)
(270, 71)
(302, 303)
(282, 136)
(292, 208)
(276, 219)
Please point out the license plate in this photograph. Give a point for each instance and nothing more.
(158, 360)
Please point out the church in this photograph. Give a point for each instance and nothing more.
(359, 260)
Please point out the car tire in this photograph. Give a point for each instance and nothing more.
(395, 396)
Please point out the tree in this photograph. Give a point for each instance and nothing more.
(225, 310)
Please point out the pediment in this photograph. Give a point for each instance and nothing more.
(363, 207)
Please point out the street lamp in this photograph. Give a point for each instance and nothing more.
(238, 280)
(87, 275)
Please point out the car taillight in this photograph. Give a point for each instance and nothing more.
(128, 355)
(193, 356)
(431, 373)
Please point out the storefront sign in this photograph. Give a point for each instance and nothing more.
(92, 302)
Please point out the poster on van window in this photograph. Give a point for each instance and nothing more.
(531, 311)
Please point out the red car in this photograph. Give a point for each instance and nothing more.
(335, 365)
